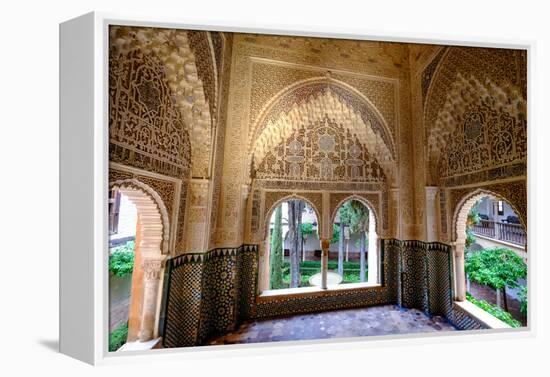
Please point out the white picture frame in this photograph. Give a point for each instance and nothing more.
(83, 188)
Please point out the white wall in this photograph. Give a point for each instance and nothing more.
(488, 207)
(127, 219)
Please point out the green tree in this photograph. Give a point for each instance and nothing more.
(472, 219)
(356, 215)
(307, 230)
(497, 267)
(523, 300)
(335, 234)
(344, 216)
(275, 257)
(295, 209)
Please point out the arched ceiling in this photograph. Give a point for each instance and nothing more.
(281, 124)
(466, 78)
(309, 103)
(464, 94)
(172, 48)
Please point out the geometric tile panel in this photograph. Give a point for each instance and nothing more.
(439, 287)
(202, 292)
(461, 320)
(424, 276)
(209, 294)
(248, 268)
(413, 275)
(183, 304)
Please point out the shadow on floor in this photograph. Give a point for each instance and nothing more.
(52, 345)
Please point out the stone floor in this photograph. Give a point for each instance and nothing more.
(379, 320)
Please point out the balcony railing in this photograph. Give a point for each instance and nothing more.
(507, 232)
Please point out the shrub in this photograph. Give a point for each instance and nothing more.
(494, 310)
(523, 300)
(118, 337)
(310, 268)
(121, 259)
(497, 267)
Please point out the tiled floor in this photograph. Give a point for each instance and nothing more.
(379, 320)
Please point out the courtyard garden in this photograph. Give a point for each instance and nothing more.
(121, 266)
(310, 268)
(492, 273)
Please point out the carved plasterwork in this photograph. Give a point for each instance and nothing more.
(312, 102)
(261, 71)
(177, 63)
(475, 112)
(513, 192)
(197, 210)
(145, 129)
(166, 192)
(373, 98)
(487, 139)
(155, 222)
(320, 151)
(480, 127)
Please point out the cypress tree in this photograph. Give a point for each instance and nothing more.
(275, 255)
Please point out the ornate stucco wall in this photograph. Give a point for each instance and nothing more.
(229, 115)
(471, 120)
(224, 127)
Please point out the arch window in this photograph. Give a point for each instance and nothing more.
(490, 255)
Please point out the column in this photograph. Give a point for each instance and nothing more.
(151, 278)
(325, 243)
(372, 277)
(431, 213)
(460, 274)
(394, 211)
(264, 258)
(197, 227)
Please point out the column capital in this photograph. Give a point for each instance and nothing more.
(152, 267)
(431, 191)
(245, 191)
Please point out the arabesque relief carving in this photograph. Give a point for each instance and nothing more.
(247, 115)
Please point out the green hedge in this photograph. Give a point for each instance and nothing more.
(118, 337)
(494, 310)
(121, 259)
(310, 268)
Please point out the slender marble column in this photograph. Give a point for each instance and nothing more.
(151, 279)
(431, 213)
(325, 243)
(458, 251)
(372, 276)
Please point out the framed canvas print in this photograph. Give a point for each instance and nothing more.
(231, 186)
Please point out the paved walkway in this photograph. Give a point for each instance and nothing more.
(378, 320)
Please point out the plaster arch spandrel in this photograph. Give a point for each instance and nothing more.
(311, 100)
